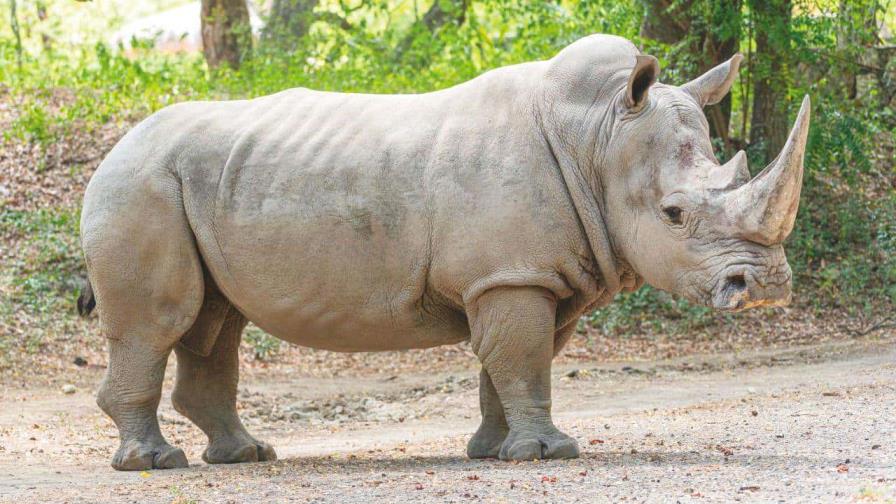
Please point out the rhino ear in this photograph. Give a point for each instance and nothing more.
(643, 76)
(711, 87)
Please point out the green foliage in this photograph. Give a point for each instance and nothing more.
(637, 312)
(843, 249)
(38, 275)
(32, 124)
(264, 346)
(44, 273)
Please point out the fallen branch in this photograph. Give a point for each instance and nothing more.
(885, 323)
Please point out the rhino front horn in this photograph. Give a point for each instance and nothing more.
(765, 208)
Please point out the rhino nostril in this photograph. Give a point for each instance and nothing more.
(736, 282)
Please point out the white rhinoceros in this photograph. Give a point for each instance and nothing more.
(497, 211)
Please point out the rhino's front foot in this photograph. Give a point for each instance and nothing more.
(236, 450)
(135, 455)
(529, 445)
(513, 335)
(487, 441)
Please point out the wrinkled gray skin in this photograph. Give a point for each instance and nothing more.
(496, 211)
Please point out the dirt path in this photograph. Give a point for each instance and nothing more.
(816, 424)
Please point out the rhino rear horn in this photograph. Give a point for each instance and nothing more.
(766, 207)
(733, 174)
(711, 87)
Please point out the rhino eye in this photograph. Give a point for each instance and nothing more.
(673, 213)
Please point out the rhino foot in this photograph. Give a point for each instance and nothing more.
(522, 445)
(139, 456)
(486, 443)
(236, 451)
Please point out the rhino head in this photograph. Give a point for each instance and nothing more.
(673, 214)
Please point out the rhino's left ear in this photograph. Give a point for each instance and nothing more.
(646, 70)
(711, 87)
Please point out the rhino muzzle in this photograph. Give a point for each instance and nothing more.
(748, 288)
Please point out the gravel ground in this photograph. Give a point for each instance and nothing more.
(814, 424)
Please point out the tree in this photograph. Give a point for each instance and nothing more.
(14, 23)
(41, 7)
(289, 21)
(442, 12)
(226, 34)
(856, 32)
(770, 69)
(439, 14)
(706, 33)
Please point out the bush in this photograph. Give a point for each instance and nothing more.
(843, 249)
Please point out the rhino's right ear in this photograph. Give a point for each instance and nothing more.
(646, 70)
(711, 87)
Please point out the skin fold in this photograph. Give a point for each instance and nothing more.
(497, 211)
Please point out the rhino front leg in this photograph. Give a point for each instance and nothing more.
(513, 336)
(205, 392)
(486, 443)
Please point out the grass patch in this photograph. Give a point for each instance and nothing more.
(43, 271)
(40, 275)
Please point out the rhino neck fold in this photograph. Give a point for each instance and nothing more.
(588, 209)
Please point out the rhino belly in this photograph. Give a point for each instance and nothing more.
(330, 270)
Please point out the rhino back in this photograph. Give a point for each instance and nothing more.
(364, 222)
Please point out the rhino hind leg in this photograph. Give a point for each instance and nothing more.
(486, 443)
(147, 282)
(513, 336)
(206, 387)
(130, 395)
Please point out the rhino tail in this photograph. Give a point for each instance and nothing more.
(86, 301)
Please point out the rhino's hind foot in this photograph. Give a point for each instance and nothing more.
(205, 392)
(521, 445)
(141, 456)
(487, 441)
(236, 450)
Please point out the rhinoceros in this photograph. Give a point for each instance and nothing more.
(497, 211)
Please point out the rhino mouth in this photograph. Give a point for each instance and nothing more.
(742, 290)
(733, 295)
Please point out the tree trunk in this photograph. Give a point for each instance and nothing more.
(709, 32)
(14, 23)
(720, 44)
(435, 18)
(665, 23)
(42, 16)
(289, 21)
(771, 75)
(856, 31)
(226, 34)
(884, 59)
